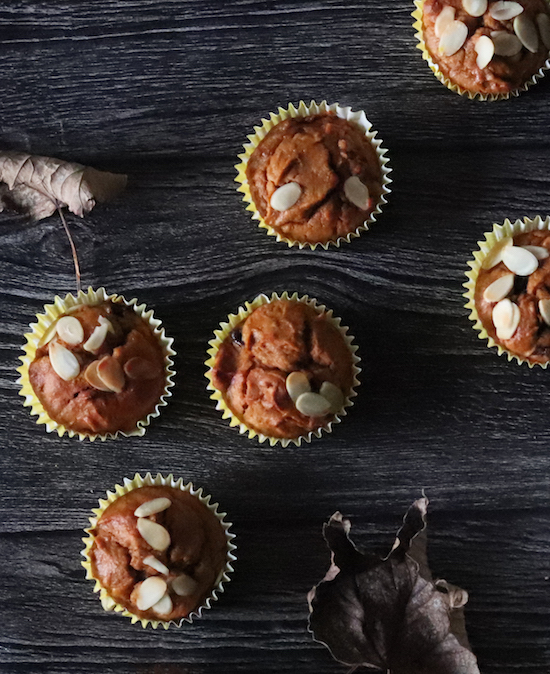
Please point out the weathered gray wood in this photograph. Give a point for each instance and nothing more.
(167, 91)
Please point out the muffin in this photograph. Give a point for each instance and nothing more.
(158, 550)
(510, 290)
(314, 175)
(96, 366)
(283, 369)
(484, 48)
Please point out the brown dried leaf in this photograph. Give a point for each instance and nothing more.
(38, 186)
(389, 613)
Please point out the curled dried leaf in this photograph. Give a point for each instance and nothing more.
(389, 613)
(38, 186)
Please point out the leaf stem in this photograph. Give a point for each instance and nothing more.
(73, 249)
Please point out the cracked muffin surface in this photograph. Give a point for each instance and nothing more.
(316, 154)
(109, 379)
(253, 364)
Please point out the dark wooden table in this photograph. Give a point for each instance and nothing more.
(166, 91)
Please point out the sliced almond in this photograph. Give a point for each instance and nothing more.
(499, 289)
(91, 376)
(152, 507)
(506, 44)
(527, 33)
(312, 405)
(519, 260)
(544, 308)
(164, 606)
(506, 318)
(149, 592)
(475, 7)
(64, 362)
(140, 368)
(96, 339)
(540, 252)
(452, 38)
(184, 585)
(154, 534)
(485, 50)
(357, 193)
(505, 10)
(296, 384)
(47, 337)
(285, 196)
(494, 256)
(111, 374)
(70, 329)
(543, 22)
(156, 564)
(333, 394)
(444, 18)
(105, 321)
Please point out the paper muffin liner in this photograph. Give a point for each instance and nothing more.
(303, 110)
(108, 603)
(419, 35)
(40, 332)
(225, 330)
(507, 230)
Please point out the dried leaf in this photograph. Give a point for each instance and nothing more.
(389, 613)
(38, 186)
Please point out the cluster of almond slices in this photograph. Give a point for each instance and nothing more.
(521, 261)
(288, 194)
(329, 400)
(452, 33)
(153, 592)
(105, 374)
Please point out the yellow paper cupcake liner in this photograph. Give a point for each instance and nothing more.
(40, 332)
(419, 35)
(507, 230)
(303, 110)
(108, 603)
(224, 331)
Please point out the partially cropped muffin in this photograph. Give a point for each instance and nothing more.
(512, 295)
(314, 175)
(158, 550)
(487, 47)
(99, 369)
(286, 369)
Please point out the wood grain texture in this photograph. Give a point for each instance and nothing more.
(166, 91)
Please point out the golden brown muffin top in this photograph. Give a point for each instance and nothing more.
(181, 544)
(515, 311)
(317, 155)
(520, 43)
(101, 372)
(279, 339)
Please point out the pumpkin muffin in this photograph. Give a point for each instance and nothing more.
(512, 295)
(98, 368)
(284, 370)
(486, 47)
(158, 550)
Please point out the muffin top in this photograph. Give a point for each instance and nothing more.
(485, 46)
(158, 551)
(285, 370)
(512, 295)
(314, 179)
(99, 369)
